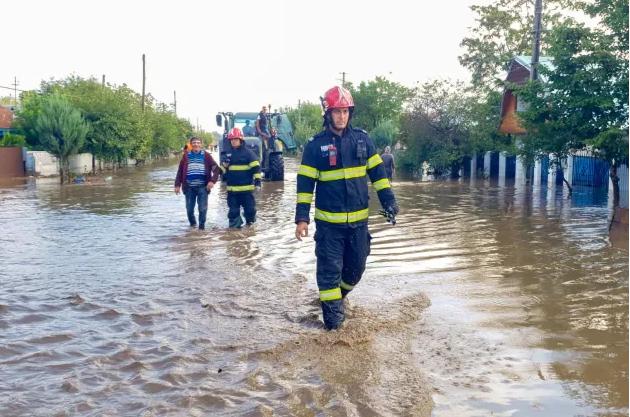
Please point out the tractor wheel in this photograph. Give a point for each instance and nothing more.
(276, 167)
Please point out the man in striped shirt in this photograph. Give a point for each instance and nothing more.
(197, 174)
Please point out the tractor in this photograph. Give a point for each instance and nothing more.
(271, 159)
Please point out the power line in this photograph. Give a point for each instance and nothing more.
(12, 88)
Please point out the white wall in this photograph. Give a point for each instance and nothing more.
(80, 163)
(41, 163)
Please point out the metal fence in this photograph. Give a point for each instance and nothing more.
(590, 171)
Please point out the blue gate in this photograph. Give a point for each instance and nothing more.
(589, 171)
(494, 165)
(466, 166)
(510, 167)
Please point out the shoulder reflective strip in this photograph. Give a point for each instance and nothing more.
(355, 216)
(238, 167)
(381, 184)
(258, 175)
(254, 164)
(346, 286)
(308, 171)
(343, 173)
(240, 187)
(305, 198)
(330, 295)
(222, 168)
(374, 161)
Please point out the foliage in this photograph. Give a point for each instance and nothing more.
(306, 119)
(61, 129)
(384, 133)
(26, 115)
(10, 140)
(118, 128)
(503, 30)
(7, 101)
(584, 97)
(446, 122)
(377, 101)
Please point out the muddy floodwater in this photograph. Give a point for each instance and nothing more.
(483, 300)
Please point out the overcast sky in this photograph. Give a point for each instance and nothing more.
(235, 55)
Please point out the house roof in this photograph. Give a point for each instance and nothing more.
(6, 118)
(525, 61)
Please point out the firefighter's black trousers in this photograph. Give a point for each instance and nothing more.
(341, 255)
(235, 201)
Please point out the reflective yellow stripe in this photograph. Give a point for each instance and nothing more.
(239, 168)
(222, 168)
(308, 171)
(355, 216)
(331, 175)
(381, 184)
(374, 161)
(240, 187)
(257, 175)
(254, 164)
(346, 286)
(330, 295)
(305, 198)
(343, 173)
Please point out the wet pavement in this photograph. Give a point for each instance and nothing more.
(482, 300)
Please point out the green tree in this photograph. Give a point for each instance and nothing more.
(584, 98)
(377, 101)
(26, 115)
(61, 130)
(306, 119)
(503, 30)
(385, 133)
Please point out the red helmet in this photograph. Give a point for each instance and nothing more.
(337, 98)
(235, 133)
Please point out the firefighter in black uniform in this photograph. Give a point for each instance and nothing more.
(241, 171)
(338, 160)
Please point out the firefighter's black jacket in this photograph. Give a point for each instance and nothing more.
(342, 190)
(243, 171)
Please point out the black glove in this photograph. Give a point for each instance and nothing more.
(390, 213)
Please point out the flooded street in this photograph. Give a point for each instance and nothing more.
(482, 300)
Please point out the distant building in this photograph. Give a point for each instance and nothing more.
(518, 73)
(6, 120)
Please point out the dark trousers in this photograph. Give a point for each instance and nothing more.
(197, 195)
(235, 201)
(341, 256)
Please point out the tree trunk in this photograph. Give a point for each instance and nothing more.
(63, 170)
(568, 186)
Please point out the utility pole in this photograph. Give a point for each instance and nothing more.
(175, 102)
(343, 79)
(15, 84)
(144, 77)
(533, 75)
(103, 81)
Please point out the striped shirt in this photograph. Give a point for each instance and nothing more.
(196, 175)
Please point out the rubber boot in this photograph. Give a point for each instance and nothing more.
(332, 312)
